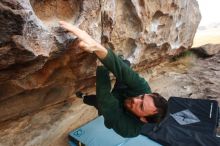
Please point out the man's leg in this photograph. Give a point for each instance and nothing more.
(91, 100)
(88, 99)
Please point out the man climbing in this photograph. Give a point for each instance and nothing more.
(125, 110)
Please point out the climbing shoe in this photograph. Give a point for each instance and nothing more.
(79, 94)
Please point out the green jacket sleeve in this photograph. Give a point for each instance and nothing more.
(114, 116)
(125, 74)
(103, 88)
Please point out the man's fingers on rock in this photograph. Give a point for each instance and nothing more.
(76, 41)
(81, 44)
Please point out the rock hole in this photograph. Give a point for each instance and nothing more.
(130, 46)
(158, 14)
(174, 6)
(142, 3)
(52, 11)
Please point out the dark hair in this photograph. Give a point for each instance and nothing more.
(161, 103)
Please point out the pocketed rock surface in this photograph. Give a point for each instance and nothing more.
(39, 64)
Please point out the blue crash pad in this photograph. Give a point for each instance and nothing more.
(96, 134)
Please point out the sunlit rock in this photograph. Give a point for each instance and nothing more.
(37, 68)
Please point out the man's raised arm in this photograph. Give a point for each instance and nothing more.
(121, 71)
(87, 43)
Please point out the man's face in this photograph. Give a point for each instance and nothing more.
(141, 106)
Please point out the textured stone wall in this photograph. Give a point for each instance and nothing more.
(36, 67)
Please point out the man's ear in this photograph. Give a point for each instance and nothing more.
(143, 119)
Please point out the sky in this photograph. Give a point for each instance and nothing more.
(210, 10)
(209, 27)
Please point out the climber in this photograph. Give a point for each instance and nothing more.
(125, 110)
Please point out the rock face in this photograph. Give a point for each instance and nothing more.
(36, 67)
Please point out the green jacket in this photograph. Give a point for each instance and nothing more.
(111, 103)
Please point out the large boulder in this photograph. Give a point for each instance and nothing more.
(37, 68)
